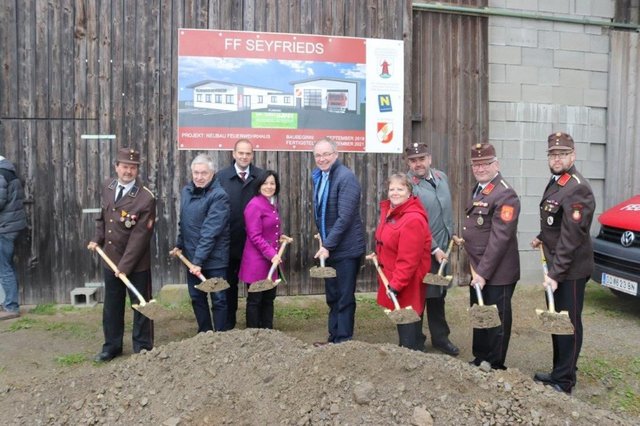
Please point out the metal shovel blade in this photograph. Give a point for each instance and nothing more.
(435, 279)
(263, 285)
(485, 316)
(213, 285)
(554, 322)
(322, 272)
(151, 309)
(402, 316)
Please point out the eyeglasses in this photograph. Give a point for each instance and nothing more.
(325, 155)
(559, 155)
(481, 165)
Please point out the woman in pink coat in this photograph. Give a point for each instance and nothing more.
(262, 223)
(403, 246)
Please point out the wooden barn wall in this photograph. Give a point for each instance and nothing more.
(622, 179)
(74, 67)
(449, 90)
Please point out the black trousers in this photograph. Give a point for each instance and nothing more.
(260, 308)
(232, 292)
(569, 296)
(491, 344)
(435, 308)
(115, 292)
(410, 336)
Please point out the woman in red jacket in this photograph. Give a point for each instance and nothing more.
(403, 246)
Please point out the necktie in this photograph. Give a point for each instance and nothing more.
(323, 184)
(477, 191)
(120, 192)
(243, 175)
(431, 181)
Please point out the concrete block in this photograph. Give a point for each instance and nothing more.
(594, 30)
(521, 37)
(603, 8)
(595, 153)
(595, 98)
(575, 41)
(573, 114)
(537, 57)
(598, 117)
(497, 111)
(576, 130)
(505, 92)
(534, 187)
(537, 24)
(522, 4)
(592, 169)
(536, 168)
(529, 219)
(548, 40)
(548, 76)
(599, 43)
(497, 35)
(174, 294)
(498, 3)
(497, 73)
(568, 96)
(510, 167)
(598, 80)
(521, 74)
(596, 61)
(595, 134)
(553, 6)
(512, 150)
(574, 78)
(84, 297)
(538, 94)
(507, 22)
(505, 55)
(568, 59)
(568, 27)
(583, 7)
(536, 131)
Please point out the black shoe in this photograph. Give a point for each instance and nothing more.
(104, 357)
(448, 348)
(475, 362)
(559, 388)
(544, 378)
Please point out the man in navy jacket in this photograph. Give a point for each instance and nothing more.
(336, 202)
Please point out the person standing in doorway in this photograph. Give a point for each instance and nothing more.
(239, 181)
(431, 186)
(336, 206)
(123, 230)
(13, 219)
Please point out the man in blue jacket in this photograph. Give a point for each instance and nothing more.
(336, 202)
(13, 219)
(203, 236)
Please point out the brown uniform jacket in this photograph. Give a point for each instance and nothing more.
(489, 230)
(566, 212)
(124, 229)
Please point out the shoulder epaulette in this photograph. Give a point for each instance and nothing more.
(576, 178)
(562, 180)
(149, 191)
(505, 184)
(487, 189)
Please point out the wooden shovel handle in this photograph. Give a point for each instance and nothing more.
(178, 253)
(548, 289)
(374, 258)
(284, 240)
(476, 286)
(122, 276)
(446, 260)
(317, 237)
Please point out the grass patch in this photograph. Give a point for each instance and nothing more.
(24, 323)
(601, 370)
(366, 300)
(71, 359)
(293, 312)
(630, 401)
(46, 309)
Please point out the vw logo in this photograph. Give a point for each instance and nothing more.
(627, 238)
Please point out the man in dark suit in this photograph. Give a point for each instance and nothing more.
(124, 229)
(431, 186)
(489, 231)
(566, 213)
(239, 181)
(336, 202)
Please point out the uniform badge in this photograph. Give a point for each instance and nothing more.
(506, 213)
(127, 224)
(480, 221)
(576, 214)
(550, 220)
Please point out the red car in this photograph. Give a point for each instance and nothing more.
(616, 249)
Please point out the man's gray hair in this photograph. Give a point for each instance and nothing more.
(334, 146)
(203, 159)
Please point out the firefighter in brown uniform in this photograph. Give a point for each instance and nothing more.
(566, 212)
(489, 231)
(124, 231)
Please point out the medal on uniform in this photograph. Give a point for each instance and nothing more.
(480, 221)
(127, 224)
(550, 220)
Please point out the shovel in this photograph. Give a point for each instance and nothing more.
(150, 309)
(397, 315)
(211, 285)
(268, 283)
(321, 271)
(439, 279)
(551, 321)
(482, 316)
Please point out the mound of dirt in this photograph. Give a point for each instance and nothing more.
(266, 377)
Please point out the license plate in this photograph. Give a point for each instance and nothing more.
(620, 284)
